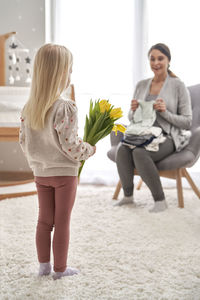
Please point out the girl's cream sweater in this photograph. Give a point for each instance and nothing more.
(55, 150)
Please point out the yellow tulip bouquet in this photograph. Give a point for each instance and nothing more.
(100, 123)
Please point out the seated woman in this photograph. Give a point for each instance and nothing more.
(171, 107)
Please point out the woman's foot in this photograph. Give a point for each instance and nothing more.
(124, 200)
(68, 272)
(45, 269)
(159, 206)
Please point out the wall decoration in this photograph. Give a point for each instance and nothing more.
(18, 61)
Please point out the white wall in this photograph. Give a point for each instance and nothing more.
(177, 23)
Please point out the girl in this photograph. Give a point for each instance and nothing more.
(48, 137)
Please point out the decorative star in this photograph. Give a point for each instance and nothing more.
(13, 46)
(10, 57)
(27, 71)
(28, 60)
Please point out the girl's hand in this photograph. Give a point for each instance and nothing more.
(134, 104)
(94, 148)
(160, 105)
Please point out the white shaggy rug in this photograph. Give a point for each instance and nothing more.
(122, 252)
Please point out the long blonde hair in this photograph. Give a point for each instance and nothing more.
(51, 74)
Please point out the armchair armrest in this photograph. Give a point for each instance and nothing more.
(186, 158)
(194, 144)
(114, 140)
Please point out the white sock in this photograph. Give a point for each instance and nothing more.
(68, 272)
(159, 206)
(124, 200)
(45, 269)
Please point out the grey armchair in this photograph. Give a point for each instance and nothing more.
(173, 166)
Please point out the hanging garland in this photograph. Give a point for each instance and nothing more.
(19, 61)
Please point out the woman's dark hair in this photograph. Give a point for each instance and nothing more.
(165, 50)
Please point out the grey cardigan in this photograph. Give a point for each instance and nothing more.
(177, 119)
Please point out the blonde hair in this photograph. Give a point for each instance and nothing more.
(51, 74)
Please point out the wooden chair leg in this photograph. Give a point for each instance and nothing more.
(191, 182)
(139, 184)
(117, 190)
(179, 188)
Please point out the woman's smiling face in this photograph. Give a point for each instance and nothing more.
(158, 62)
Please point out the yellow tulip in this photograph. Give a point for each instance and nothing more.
(100, 122)
(118, 127)
(116, 113)
(104, 106)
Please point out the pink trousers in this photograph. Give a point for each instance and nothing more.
(56, 196)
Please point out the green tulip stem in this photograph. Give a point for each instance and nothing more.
(81, 167)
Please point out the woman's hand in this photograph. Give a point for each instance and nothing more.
(160, 105)
(134, 104)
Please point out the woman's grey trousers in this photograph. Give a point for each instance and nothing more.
(144, 161)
